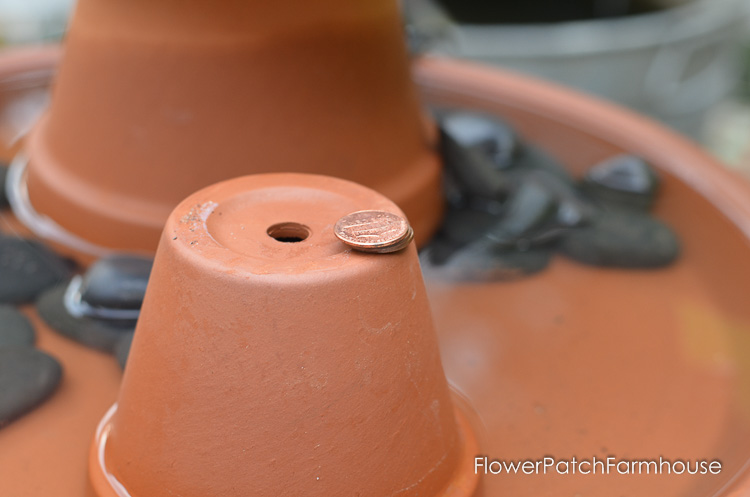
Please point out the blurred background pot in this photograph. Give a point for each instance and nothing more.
(156, 99)
(674, 63)
(25, 75)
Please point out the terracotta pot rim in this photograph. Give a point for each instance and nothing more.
(42, 226)
(38, 59)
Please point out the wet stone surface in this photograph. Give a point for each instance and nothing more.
(15, 328)
(485, 261)
(27, 378)
(463, 226)
(116, 282)
(99, 334)
(489, 137)
(623, 181)
(623, 239)
(28, 268)
(511, 206)
(100, 309)
(475, 149)
(531, 210)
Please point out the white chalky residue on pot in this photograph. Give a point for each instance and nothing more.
(198, 217)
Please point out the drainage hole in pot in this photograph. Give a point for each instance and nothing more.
(288, 232)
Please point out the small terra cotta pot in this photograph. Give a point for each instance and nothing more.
(267, 367)
(157, 99)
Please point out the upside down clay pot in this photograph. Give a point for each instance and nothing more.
(157, 99)
(271, 359)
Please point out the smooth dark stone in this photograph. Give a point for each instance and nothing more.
(574, 208)
(471, 167)
(488, 135)
(471, 171)
(453, 191)
(485, 261)
(116, 282)
(627, 239)
(27, 378)
(531, 211)
(462, 226)
(15, 328)
(122, 349)
(28, 268)
(3, 175)
(95, 333)
(438, 251)
(573, 214)
(623, 181)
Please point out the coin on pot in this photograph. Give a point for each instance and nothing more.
(374, 231)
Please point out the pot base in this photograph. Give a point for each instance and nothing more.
(103, 484)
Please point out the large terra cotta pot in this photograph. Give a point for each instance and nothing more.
(157, 99)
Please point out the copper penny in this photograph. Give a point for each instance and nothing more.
(374, 231)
